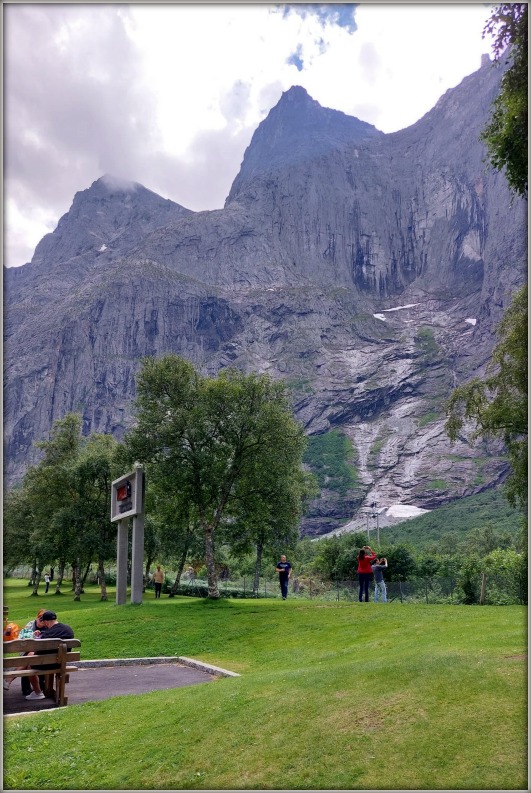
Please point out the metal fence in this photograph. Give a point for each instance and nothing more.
(485, 589)
(488, 590)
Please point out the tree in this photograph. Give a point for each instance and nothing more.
(18, 519)
(497, 405)
(469, 579)
(49, 490)
(206, 440)
(92, 475)
(506, 134)
(62, 509)
(401, 563)
(327, 558)
(272, 496)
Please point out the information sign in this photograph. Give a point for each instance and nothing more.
(127, 495)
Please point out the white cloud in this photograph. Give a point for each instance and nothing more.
(169, 95)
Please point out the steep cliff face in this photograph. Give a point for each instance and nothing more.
(368, 270)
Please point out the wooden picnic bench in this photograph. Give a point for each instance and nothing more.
(57, 651)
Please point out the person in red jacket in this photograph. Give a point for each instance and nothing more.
(365, 559)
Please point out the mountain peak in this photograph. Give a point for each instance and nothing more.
(116, 184)
(298, 128)
(112, 213)
(297, 93)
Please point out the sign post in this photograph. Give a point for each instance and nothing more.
(122, 542)
(127, 500)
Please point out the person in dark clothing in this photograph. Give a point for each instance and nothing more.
(52, 629)
(283, 569)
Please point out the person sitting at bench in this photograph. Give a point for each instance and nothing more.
(52, 629)
(27, 633)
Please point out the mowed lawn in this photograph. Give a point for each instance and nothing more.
(331, 696)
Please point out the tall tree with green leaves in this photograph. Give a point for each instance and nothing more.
(497, 404)
(92, 474)
(205, 437)
(506, 133)
(272, 499)
(61, 511)
(49, 489)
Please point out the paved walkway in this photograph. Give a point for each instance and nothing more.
(91, 683)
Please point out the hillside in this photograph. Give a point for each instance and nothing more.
(455, 522)
(369, 271)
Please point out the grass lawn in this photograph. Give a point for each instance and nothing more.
(331, 696)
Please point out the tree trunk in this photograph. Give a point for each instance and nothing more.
(101, 578)
(36, 579)
(149, 562)
(213, 591)
(33, 574)
(182, 562)
(77, 579)
(180, 567)
(60, 576)
(85, 574)
(257, 568)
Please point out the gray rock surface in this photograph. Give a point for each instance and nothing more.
(368, 270)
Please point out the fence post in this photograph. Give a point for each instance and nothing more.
(337, 593)
(483, 588)
(400, 588)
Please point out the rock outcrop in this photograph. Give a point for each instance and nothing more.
(368, 270)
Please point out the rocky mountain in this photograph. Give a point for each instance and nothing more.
(368, 270)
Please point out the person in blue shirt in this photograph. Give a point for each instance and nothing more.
(283, 569)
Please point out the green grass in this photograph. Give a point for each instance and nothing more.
(331, 696)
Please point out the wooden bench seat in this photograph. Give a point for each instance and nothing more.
(58, 651)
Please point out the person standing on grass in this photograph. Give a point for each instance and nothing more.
(379, 584)
(283, 569)
(159, 580)
(47, 582)
(365, 559)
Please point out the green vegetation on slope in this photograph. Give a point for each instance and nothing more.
(459, 520)
(329, 457)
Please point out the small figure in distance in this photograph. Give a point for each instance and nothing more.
(47, 582)
(366, 557)
(283, 569)
(379, 584)
(159, 580)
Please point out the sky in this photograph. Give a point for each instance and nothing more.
(169, 95)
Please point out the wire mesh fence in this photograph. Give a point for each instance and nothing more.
(486, 589)
(489, 589)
